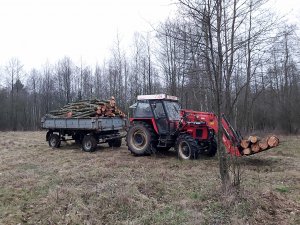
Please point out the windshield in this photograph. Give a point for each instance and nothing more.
(172, 110)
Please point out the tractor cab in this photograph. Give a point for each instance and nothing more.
(161, 111)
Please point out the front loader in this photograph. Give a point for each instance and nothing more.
(158, 124)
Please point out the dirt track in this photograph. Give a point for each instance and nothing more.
(40, 185)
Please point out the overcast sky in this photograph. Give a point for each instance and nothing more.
(39, 30)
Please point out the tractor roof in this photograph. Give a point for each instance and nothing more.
(157, 96)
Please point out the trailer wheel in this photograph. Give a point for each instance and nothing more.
(89, 143)
(54, 141)
(141, 139)
(115, 143)
(186, 147)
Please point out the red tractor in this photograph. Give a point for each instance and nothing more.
(158, 124)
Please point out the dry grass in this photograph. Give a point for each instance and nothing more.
(40, 185)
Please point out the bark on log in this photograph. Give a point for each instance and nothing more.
(263, 144)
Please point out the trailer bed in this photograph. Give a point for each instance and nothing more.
(93, 124)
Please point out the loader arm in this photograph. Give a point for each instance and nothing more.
(231, 138)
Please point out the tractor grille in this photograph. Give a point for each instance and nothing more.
(199, 133)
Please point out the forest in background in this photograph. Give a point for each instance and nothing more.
(234, 54)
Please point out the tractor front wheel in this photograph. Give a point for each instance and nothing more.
(140, 139)
(186, 147)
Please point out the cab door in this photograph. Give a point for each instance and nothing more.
(160, 117)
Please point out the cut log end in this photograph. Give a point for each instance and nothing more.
(255, 147)
(247, 151)
(253, 139)
(273, 141)
(245, 144)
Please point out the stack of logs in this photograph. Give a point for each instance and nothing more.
(255, 144)
(88, 108)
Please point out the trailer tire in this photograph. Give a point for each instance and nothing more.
(115, 143)
(141, 139)
(89, 143)
(186, 147)
(54, 141)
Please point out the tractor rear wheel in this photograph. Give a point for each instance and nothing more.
(141, 139)
(186, 147)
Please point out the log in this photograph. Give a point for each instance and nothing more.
(88, 108)
(253, 139)
(245, 144)
(273, 141)
(247, 151)
(255, 147)
(263, 144)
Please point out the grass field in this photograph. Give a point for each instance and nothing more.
(40, 185)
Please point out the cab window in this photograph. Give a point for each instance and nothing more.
(143, 110)
(172, 110)
(158, 110)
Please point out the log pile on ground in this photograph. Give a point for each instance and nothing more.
(255, 144)
(88, 108)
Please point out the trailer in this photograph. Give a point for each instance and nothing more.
(88, 132)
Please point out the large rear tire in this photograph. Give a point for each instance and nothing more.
(89, 143)
(141, 139)
(186, 147)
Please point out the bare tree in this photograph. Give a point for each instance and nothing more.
(13, 69)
